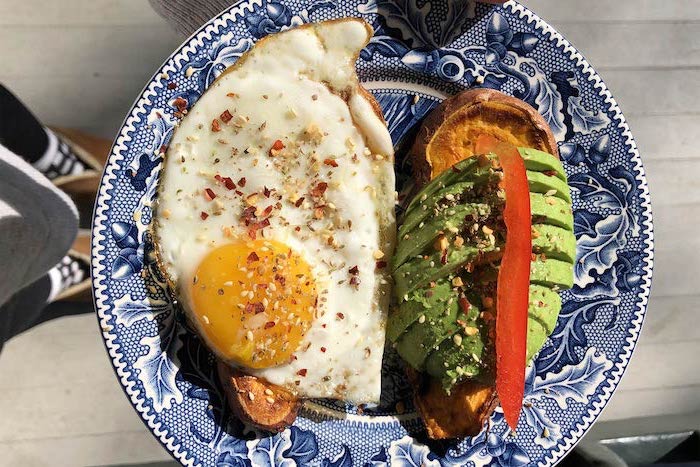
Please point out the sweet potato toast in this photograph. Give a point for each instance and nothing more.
(447, 136)
(256, 401)
(449, 133)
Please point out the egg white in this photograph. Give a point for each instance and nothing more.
(287, 84)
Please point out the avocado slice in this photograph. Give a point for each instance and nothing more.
(540, 161)
(417, 272)
(552, 273)
(554, 242)
(541, 183)
(446, 178)
(544, 306)
(418, 302)
(451, 363)
(551, 210)
(462, 191)
(424, 335)
(465, 356)
(421, 211)
(419, 239)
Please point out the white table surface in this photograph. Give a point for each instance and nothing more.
(80, 63)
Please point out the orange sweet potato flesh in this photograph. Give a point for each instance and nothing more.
(257, 402)
(447, 136)
(455, 415)
(449, 133)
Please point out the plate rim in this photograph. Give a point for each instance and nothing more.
(237, 12)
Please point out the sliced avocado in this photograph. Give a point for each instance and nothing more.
(424, 335)
(424, 210)
(551, 210)
(541, 183)
(446, 178)
(552, 273)
(536, 336)
(418, 302)
(417, 272)
(554, 242)
(463, 190)
(451, 363)
(420, 239)
(454, 360)
(544, 306)
(540, 161)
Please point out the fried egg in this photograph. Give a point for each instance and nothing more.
(275, 215)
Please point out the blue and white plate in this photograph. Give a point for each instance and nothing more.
(421, 52)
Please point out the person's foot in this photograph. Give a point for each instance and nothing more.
(22, 133)
(70, 279)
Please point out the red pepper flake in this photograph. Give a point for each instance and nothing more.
(319, 189)
(209, 194)
(267, 211)
(231, 94)
(354, 270)
(298, 202)
(203, 215)
(226, 116)
(297, 229)
(266, 192)
(172, 85)
(323, 349)
(381, 264)
(340, 315)
(302, 372)
(252, 234)
(252, 257)
(255, 308)
(261, 286)
(215, 125)
(550, 173)
(241, 182)
(443, 257)
(464, 304)
(248, 215)
(180, 104)
(354, 281)
(330, 162)
(281, 279)
(323, 326)
(269, 324)
(277, 146)
(228, 183)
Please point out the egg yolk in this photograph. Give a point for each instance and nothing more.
(254, 300)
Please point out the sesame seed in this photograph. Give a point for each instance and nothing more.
(457, 339)
(251, 396)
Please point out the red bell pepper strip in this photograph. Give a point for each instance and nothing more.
(485, 144)
(512, 293)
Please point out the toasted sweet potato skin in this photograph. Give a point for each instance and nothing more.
(449, 133)
(447, 136)
(456, 415)
(257, 402)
